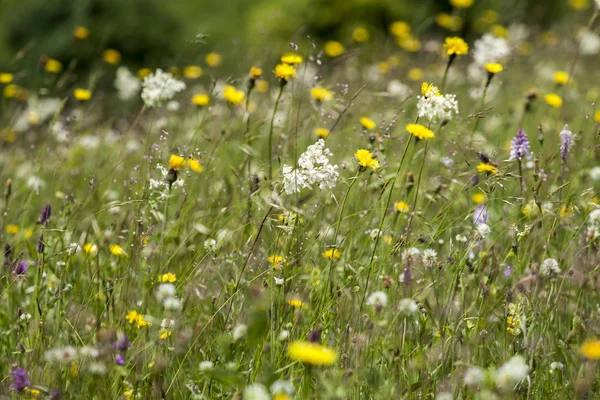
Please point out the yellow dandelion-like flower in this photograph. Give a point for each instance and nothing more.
(141, 322)
(28, 233)
(456, 46)
(12, 229)
(478, 198)
(195, 165)
(322, 132)
(554, 100)
(561, 77)
(488, 168)
(579, 4)
(82, 94)
(111, 56)
(5, 78)
(284, 72)
(311, 353)
(420, 131)
(597, 117)
(402, 207)
(331, 254)
(498, 31)
(143, 72)
(168, 277)
(117, 250)
(176, 162)
(232, 95)
(451, 22)
(131, 316)
(164, 334)
(81, 33)
(366, 160)
(276, 261)
(262, 86)
(333, 48)
(296, 303)
(415, 74)
(255, 73)
(462, 3)
(192, 71)
(320, 94)
(410, 44)
(53, 66)
(213, 59)
(494, 68)
(400, 29)
(291, 59)
(429, 89)
(367, 123)
(360, 34)
(591, 349)
(90, 248)
(201, 99)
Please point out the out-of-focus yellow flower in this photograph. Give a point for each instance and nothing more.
(591, 349)
(111, 56)
(167, 278)
(213, 59)
(164, 334)
(33, 118)
(487, 168)
(192, 71)
(53, 66)
(498, 31)
(81, 33)
(565, 210)
(451, 22)
(415, 74)
(367, 123)
(360, 34)
(402, 207)
(90, 248)
(311, 353)
(331, 254)
(320, 94)
(579, 4)
(176, 162)
(478, 198)
(366, 160)
(525, 49)
(333, 48)
(201, 99)
(291, 58)
(28, 233)
(175, 71)
(420, 131)
(9, 135)
(82, 94)
(322, 132)
(462, 3)
(137, 318)
(12, 229)
(117, 250)
(262, 86)
(597, 117)
(554, 100)
(410, 44)
(456, 46)
(383, 67)
(561, 77)
(143, 72)
(195, 165)
(284, 72)
(400, 29)
(489, 17)
(276, 261)
(255, 73)
(232, 95)
(530, 210)
(5, 78)
(296, 303)
(494, 68)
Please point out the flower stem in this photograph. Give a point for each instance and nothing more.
(270, 154)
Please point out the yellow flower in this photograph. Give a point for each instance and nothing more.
(579, 4)
(420, 131)
(285, 72)
(281, 396)
(455, 45)
(5, 78)
(143, 72)
(322, 132)
(333, 48)
(597, 117)
(478, 198)
(591, 349)
(33, 118)
(262, 86)
(201, 100)
(410, 44)
(137, 318)
(276, 261)
(554, 100)
(530, 210)
(213, 59)
(360, 34)
(255, 73)
(402, 207)
(400, 29)
(131, 316)
(429, 89)
(164, 334)
(192, 71)
(451, 22)
(415, 74)
(565, 210)
(195, 165)
(12, 229)
(462, 3)
(176, 162)
(297, 303)
(291, 58)
(53, 66)
(331, 254)
(498, 31)
(33, 392)
(111, 56)
(168, 277)
(494, 68)
(82, 94)
(81, 33)
(117, 250)
(366, 160)
(561, 77)
(488, 168)
(8, 135)
(311, 353)
(28, 233)
(320, 94)
(367, 123)
(232, 95)
(90, 248)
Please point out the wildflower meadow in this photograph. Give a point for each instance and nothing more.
(404, 207)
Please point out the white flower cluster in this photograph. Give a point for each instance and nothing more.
(166, 295)
(490, 49)
(313, 169)
(505, 378)
(593, 229)
(549, 267)
(126, 84)
(160, 87)
(377, 300)
(160, 187)
(590, 43)
(437, 108)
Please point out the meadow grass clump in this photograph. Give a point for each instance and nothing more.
(345, 220)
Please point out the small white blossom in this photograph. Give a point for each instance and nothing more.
(206, 366)
(590, 43)
(282, 387)
(549, 267)
(511, 373)
(210, 245)
(164, 291)
(160, 87)
(377, 299)
(490, 49)
(408, 306)
(239, 332)
(126, 83)
(256, 391)
(89, 351)
(410, 256)
(429, 257)
(437, 108)
(65, 355)
(474, 377)
(594, 174)
(313, 169)
(483, 230)
(444, 396)
(557, 365)
(172, 303)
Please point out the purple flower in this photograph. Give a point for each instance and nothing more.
(20, 379)
(45, 215)
(119, 359)
(122, 343)
(21, 268)
(55, 394)
(519, 146)
(566, 143)
(480, 216)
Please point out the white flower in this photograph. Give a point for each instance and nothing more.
(239, 332)
(446, 162)
(35, 183)
(597, 3)
(461, 238)
(474, 376)
(594, 174)
(160, 87)
(429, 257)
(444, 396)
(206, 366)
(483, 230)
(511, 373)
(283, 335)
(210, 245)
(410, 256)
(408, 306)
(557, 365)
(89, 351)
(97, 368)
(397, 88)
(590, 43)
(172, 303)
(313, 169)
(256, 392)
(377, 299)
(594, 217)
(167, 323)
(282, 387)
(549, 267)
(126, 83)
(25, 317)
(279, 281)
(164, 291)
(490, 49)
(437, 108)
(61, 356)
